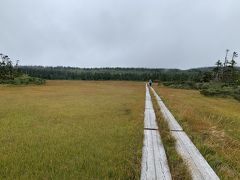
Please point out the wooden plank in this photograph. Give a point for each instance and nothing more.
(172, 122)
(149, 115)
(198, 166)
(150, 119)
(154, 159)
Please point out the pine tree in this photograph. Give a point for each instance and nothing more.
(218, 70)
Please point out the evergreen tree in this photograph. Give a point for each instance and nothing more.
(218, 71)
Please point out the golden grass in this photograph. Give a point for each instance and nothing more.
(71, 130)
(212, 123)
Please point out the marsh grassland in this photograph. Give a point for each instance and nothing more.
(212, 123)
(71, 130)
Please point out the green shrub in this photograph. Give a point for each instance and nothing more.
(209, 88)
(237, 97)
(17, 81)
(31, 80)
(213, 91)
(237, 93)
(24, 79)
(184, 85)
(222, 91)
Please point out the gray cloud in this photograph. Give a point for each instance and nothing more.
(136, 33)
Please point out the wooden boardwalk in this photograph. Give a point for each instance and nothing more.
(154, 160)
(198, 166)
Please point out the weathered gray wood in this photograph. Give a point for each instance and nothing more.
(154, 160)
(172, 123)
(198, 166)
(150, 119)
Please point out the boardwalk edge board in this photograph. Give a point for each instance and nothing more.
(154, 159)
(196, 163)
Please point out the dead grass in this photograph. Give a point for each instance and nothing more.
(71, 130)
(212, 123)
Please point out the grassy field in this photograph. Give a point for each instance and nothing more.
(212, 123)
(71, 130)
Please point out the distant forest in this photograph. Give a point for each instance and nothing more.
(132, 74)
(224, 71)
(222, 80)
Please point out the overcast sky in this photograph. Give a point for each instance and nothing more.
(123, 33)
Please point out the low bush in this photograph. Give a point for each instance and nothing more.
(28, 80)
(224, 91)
(209, 88)
(186, 85)
(237, 93)
(24, 79)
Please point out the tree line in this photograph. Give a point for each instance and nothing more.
(130, 74)
(225, 71)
